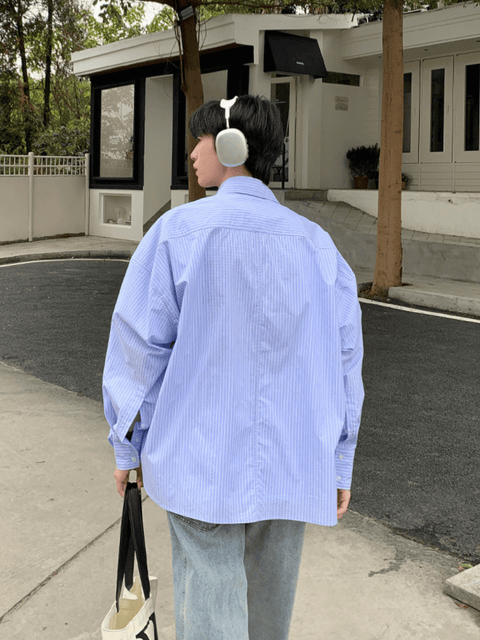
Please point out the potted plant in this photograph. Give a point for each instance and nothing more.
(363, 164)
(405, 180)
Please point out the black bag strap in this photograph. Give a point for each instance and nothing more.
(132, 543)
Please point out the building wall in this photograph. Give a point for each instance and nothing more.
(324, 133)
(308, 133)
(350, 115)
(158, 144)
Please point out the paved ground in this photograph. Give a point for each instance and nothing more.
(55, 319)
(416, 464)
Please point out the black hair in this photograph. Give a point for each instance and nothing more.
(257, 118)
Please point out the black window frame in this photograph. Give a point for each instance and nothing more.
(99, 84)
(234, 59)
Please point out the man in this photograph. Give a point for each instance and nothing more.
(233, 374)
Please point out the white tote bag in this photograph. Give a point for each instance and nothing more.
(132, 615)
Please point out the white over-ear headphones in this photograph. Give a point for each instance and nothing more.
(230, 144)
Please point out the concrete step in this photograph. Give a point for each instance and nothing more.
(306, 194)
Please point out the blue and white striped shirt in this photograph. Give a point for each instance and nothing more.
(253, 413)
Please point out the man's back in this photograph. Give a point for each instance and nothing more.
(251, 404)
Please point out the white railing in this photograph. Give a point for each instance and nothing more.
(42, 165)
(13, 165)
(35, 168)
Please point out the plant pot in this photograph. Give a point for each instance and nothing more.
(361, 182)
(404, 186)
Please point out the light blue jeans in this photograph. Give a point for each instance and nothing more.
(234, 581)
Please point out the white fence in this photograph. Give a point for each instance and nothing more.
(43, 196)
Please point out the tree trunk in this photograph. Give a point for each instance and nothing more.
(388, 264)
(48, 65)
(27, 107)
(192, 88)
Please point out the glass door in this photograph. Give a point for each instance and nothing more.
(436, 110)
(411, 101)
(282, 92)
(467, 108)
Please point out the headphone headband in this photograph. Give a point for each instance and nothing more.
(227, 105)
(230, 144)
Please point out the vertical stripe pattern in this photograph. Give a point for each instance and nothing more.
(253, 413)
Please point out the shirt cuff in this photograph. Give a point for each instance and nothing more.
(127, 454)
(344, 469)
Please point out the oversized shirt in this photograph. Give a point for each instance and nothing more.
(237, 338)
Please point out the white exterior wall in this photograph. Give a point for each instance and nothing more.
(342, 129)
(158, 144)
(454, 214)
(259, 81)
(58, 207)
(13, 208)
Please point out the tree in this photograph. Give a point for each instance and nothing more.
(28, 40)
(48, 63)
(388, 263)
(43, 106)
(13, 29)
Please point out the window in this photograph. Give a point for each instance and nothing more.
(348, 79)
(467, 109)
(407, 112)
(411, 101)
(437, 112)
(472, 100)
(118, 134)
(282, 93)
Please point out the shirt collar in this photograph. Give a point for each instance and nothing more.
(248, 186)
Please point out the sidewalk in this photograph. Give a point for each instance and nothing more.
(60, 542)
(358, 581)
(61, 248)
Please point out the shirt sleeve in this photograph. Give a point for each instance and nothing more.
(142, 331)
(350, 327)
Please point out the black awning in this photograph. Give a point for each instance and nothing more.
(289, 53)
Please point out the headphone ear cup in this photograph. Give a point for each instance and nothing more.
(231, 147)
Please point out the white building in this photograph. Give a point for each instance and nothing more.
(139, 123)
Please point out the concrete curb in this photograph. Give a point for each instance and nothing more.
(99, 254)
(435, 300)
(465, 586)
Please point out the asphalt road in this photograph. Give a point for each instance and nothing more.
(417, 463)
